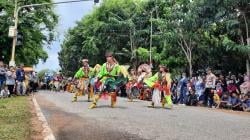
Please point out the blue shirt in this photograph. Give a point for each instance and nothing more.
(247, 102)
(234, 100)
(2, 74)
(199, 87)
(20, 76)
(225, 98)
(183, 82)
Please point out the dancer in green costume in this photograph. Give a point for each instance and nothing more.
(83, 76)
(107, 80)
(161, 83)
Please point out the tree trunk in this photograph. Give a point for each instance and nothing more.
(248, 58)
(133, 54)
(190, 68)
(248, 43)
(247, 66)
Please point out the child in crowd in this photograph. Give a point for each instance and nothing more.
(174, 91)
(219, 89)
(199, 87)
(4, 92)
(192, 99)
(216, 99)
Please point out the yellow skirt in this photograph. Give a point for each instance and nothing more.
(82, 86)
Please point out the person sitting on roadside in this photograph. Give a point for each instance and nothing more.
(216, 98)
(4, 92)
(246, 103)
(192, 98)
(235, 102)
(225, 101)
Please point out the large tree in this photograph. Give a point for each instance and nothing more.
(227, 25)
(37, 26)
(185, 35)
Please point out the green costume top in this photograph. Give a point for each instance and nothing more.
(151, 81)
(82, 73)
(108, 71)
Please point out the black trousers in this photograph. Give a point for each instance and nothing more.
(11, 89)
(208, 95)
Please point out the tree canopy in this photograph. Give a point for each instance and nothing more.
(37, 25)
(187, 35)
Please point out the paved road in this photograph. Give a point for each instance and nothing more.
(134, 121)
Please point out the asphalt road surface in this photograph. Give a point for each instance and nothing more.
(134, 121)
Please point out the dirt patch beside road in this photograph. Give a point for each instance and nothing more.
(36, 124)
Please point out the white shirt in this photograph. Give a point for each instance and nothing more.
(210, 80)
(4, 93)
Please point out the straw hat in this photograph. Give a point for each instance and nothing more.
(109, 54)
(85, 60)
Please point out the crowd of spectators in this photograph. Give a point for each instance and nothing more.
(210, 90)
(14, 81)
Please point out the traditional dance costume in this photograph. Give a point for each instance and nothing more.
(144, 72)
(161, 84)
(131, 87)
(107, 83)
(83, 75)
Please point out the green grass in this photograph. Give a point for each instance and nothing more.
(15, 118)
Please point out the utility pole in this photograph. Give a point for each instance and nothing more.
(151, 33)
(12, 60)
(16, 11)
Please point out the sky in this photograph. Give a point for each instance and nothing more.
(68, 15)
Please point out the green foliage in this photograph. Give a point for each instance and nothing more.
(37, 26)
(214, 31)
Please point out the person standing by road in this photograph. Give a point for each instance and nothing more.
(209, 88)
(183, 89)
(20, 77)
(2, 74)
(10, 80)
